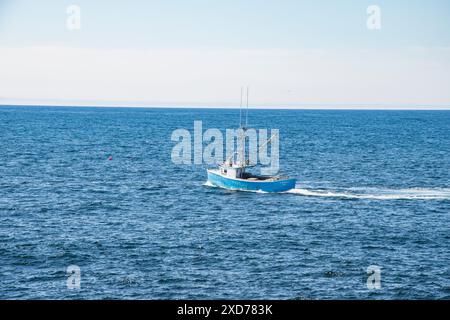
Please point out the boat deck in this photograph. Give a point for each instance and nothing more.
(251, 177)
(254, 178)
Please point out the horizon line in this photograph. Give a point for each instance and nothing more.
(268, 107)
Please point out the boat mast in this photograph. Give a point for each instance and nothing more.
(240, 109)
(243, 140)
(241, 153)
(246, 114)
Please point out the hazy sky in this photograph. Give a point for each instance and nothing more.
(199, 53)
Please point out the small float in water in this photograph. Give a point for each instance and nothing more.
(232, 173)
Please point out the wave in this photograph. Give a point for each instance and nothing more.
(378, 194)
(209, 184)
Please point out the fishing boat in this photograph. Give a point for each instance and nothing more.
(232, 174)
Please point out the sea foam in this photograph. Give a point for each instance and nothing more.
(378, 193)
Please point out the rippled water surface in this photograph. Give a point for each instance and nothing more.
(373, 189)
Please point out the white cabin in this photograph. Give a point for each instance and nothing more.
(232, 172)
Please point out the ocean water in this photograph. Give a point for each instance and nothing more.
(373, 189)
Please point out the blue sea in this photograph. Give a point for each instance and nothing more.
(373, 189)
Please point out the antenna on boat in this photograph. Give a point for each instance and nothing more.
(240, 109)
(246, 113)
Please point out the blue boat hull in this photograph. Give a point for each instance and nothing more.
(241, 184)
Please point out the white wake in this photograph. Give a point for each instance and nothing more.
(378, 194)
(208, 184)
(369, 193)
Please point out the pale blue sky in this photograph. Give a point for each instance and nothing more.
(296, 38)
